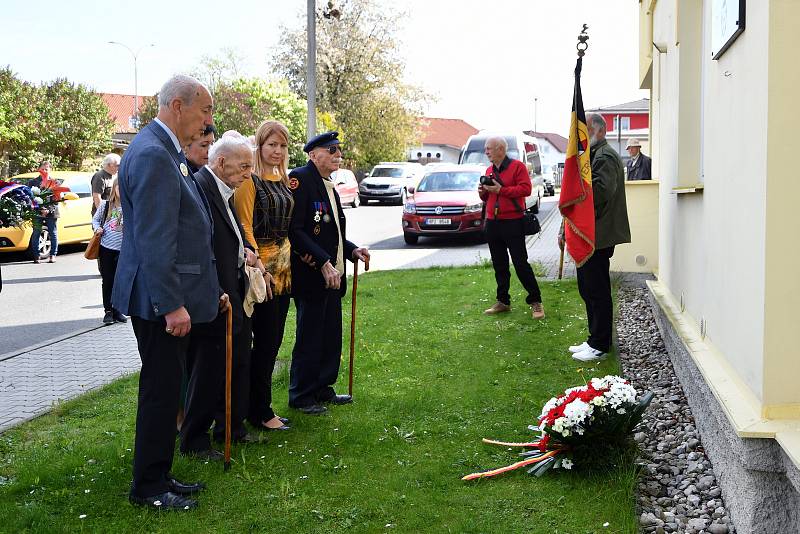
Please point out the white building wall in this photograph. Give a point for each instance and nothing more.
(447, 154)
(712, 243)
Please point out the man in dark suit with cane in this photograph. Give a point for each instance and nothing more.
(318, 229)
(230, 164)
(166, 279)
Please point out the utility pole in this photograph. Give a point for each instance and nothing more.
(311, 69)
(535, 113)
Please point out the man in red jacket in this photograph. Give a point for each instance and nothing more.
(505, 205)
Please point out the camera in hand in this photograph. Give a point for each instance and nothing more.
(487, 180)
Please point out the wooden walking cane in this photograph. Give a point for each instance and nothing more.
(561, 265)
(228, 372)
(353, 324)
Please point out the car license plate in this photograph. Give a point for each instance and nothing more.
(437, 221)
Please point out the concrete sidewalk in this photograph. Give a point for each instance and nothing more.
(34, 379)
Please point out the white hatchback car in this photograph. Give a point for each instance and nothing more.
(389, 182)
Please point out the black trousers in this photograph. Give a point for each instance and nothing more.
(269, 321)
(317, 350)
(504, 237)
(107, 261)
(594, 285)
(163, 358)
(205, 395)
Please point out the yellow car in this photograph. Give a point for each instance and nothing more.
(75, 223)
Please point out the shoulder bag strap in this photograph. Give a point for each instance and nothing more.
(496, 176)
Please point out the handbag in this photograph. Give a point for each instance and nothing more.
(530, 222)
(92, 251)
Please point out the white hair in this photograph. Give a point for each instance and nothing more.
(179, 86)
(499, 140)
(110, 159)
(226, 145)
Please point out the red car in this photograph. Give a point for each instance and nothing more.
(444, 203)
(347, 187)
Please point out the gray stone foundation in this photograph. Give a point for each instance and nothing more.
(760, 484)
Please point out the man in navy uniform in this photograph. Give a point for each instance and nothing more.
(318, 229)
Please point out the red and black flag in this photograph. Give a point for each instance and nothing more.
(576, 201)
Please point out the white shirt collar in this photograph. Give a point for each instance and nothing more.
(170, 134)
(224, 190)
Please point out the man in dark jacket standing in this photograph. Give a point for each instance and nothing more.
(639, 165)
(611, 228)
(230, 164)
(318, 229)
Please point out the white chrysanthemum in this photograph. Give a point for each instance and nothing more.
(600, 400)
(566, 463)
(38, 200)
(36, 191)
(577, 411)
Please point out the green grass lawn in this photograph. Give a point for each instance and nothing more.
(433, 377)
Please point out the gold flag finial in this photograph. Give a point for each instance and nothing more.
(583, 45)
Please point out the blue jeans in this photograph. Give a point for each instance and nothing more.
(51, 223)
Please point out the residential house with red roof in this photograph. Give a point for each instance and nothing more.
(121, 108)
(441, 140)
(630, 120)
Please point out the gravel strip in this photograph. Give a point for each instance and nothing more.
(678, 491)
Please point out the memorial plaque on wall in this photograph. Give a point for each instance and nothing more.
(727, 23)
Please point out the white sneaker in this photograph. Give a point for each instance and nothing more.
(579, 348)
(589, 355)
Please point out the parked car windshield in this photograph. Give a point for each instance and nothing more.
(449, 181)
(387, 172)
(80, 185)
(480, 158)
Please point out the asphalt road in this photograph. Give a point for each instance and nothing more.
(47, 301)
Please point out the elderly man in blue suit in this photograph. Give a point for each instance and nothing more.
(166, 279)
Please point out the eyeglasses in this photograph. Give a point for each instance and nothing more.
(335, 148)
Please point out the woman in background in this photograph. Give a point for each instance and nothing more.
(107, 222)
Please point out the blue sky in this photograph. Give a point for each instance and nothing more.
(484, 62)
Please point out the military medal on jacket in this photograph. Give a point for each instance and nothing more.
(184, 169)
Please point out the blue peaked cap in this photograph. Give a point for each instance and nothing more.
(321, 140)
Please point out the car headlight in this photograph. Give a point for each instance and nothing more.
(362, 186)
(473, 208)
(410, 208)
(395, 187)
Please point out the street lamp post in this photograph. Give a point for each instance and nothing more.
(535, 113)
(135, 75)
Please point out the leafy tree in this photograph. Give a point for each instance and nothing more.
(359, 79)
(147, 111)
(19, 124)
(64, 122)
(75, 123)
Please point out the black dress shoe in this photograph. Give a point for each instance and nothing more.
(108, 318)
(340, 399)
(284, 420)
(184, 488)
(164, 501)
(314, 409)
(208, 454)
(118, 317)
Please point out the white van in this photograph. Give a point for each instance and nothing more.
(521, 147)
